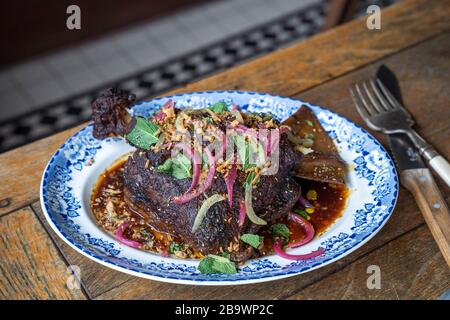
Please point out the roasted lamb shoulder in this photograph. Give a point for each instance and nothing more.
(151, 193)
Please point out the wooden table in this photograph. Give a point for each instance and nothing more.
(414, 41)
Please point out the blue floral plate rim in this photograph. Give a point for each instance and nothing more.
(108, 252)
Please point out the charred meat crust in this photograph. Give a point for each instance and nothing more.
(110, 113)
(151, 193)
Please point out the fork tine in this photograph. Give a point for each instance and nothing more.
(380, 97)
(375, 103)
(393, 102)
(362, 112)
(370, 110)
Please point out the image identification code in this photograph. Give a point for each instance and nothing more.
(225, 309)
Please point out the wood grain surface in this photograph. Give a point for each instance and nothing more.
(411, 267)
(334, 95)
(30, 265)
(21, 170)
(414, 42)
(434, 209)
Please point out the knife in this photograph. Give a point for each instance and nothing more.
(417, 178)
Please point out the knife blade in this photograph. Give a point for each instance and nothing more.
(389, 79)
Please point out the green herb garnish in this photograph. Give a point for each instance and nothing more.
(174, 247)
(144, 233)
(144, 133)
(309, 122)
(219, 107)
(205, 161)
(302, 213)
(249, 179)
(225, 254)
(264, 116)
(243, 151)
(252, 239)
(280, 229)
(216, 264)
(257, 150)
(249, 152)
(179, 167)
(310, 136)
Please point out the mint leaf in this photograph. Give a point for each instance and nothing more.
(206, 265)
(249, 152)
(243, 151)
(226, 254)
(252, 239)
(143, 134)
(216, 264)
(179, 167)
(280, 229)
(219, 107)
(257, 154)
(229, 267)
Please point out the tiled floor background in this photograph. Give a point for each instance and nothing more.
(57, 76)
(53, 92)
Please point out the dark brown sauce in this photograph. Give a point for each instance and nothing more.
(109, 188)
(330, 203)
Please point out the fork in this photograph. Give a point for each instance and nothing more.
(382, 112)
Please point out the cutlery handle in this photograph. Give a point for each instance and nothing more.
(436, 161)
(442, 168)
(421, 184)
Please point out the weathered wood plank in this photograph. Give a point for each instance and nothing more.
(411, 267)
(333, 94)
(21, 170)
(334, 53)
(424, 79)
(285, 72)
(30, 265)
(95, 277)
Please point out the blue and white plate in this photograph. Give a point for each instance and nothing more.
(73, 170)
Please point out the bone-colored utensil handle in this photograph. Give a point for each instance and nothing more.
(439, 164)
(442, 168)
(421, 184)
